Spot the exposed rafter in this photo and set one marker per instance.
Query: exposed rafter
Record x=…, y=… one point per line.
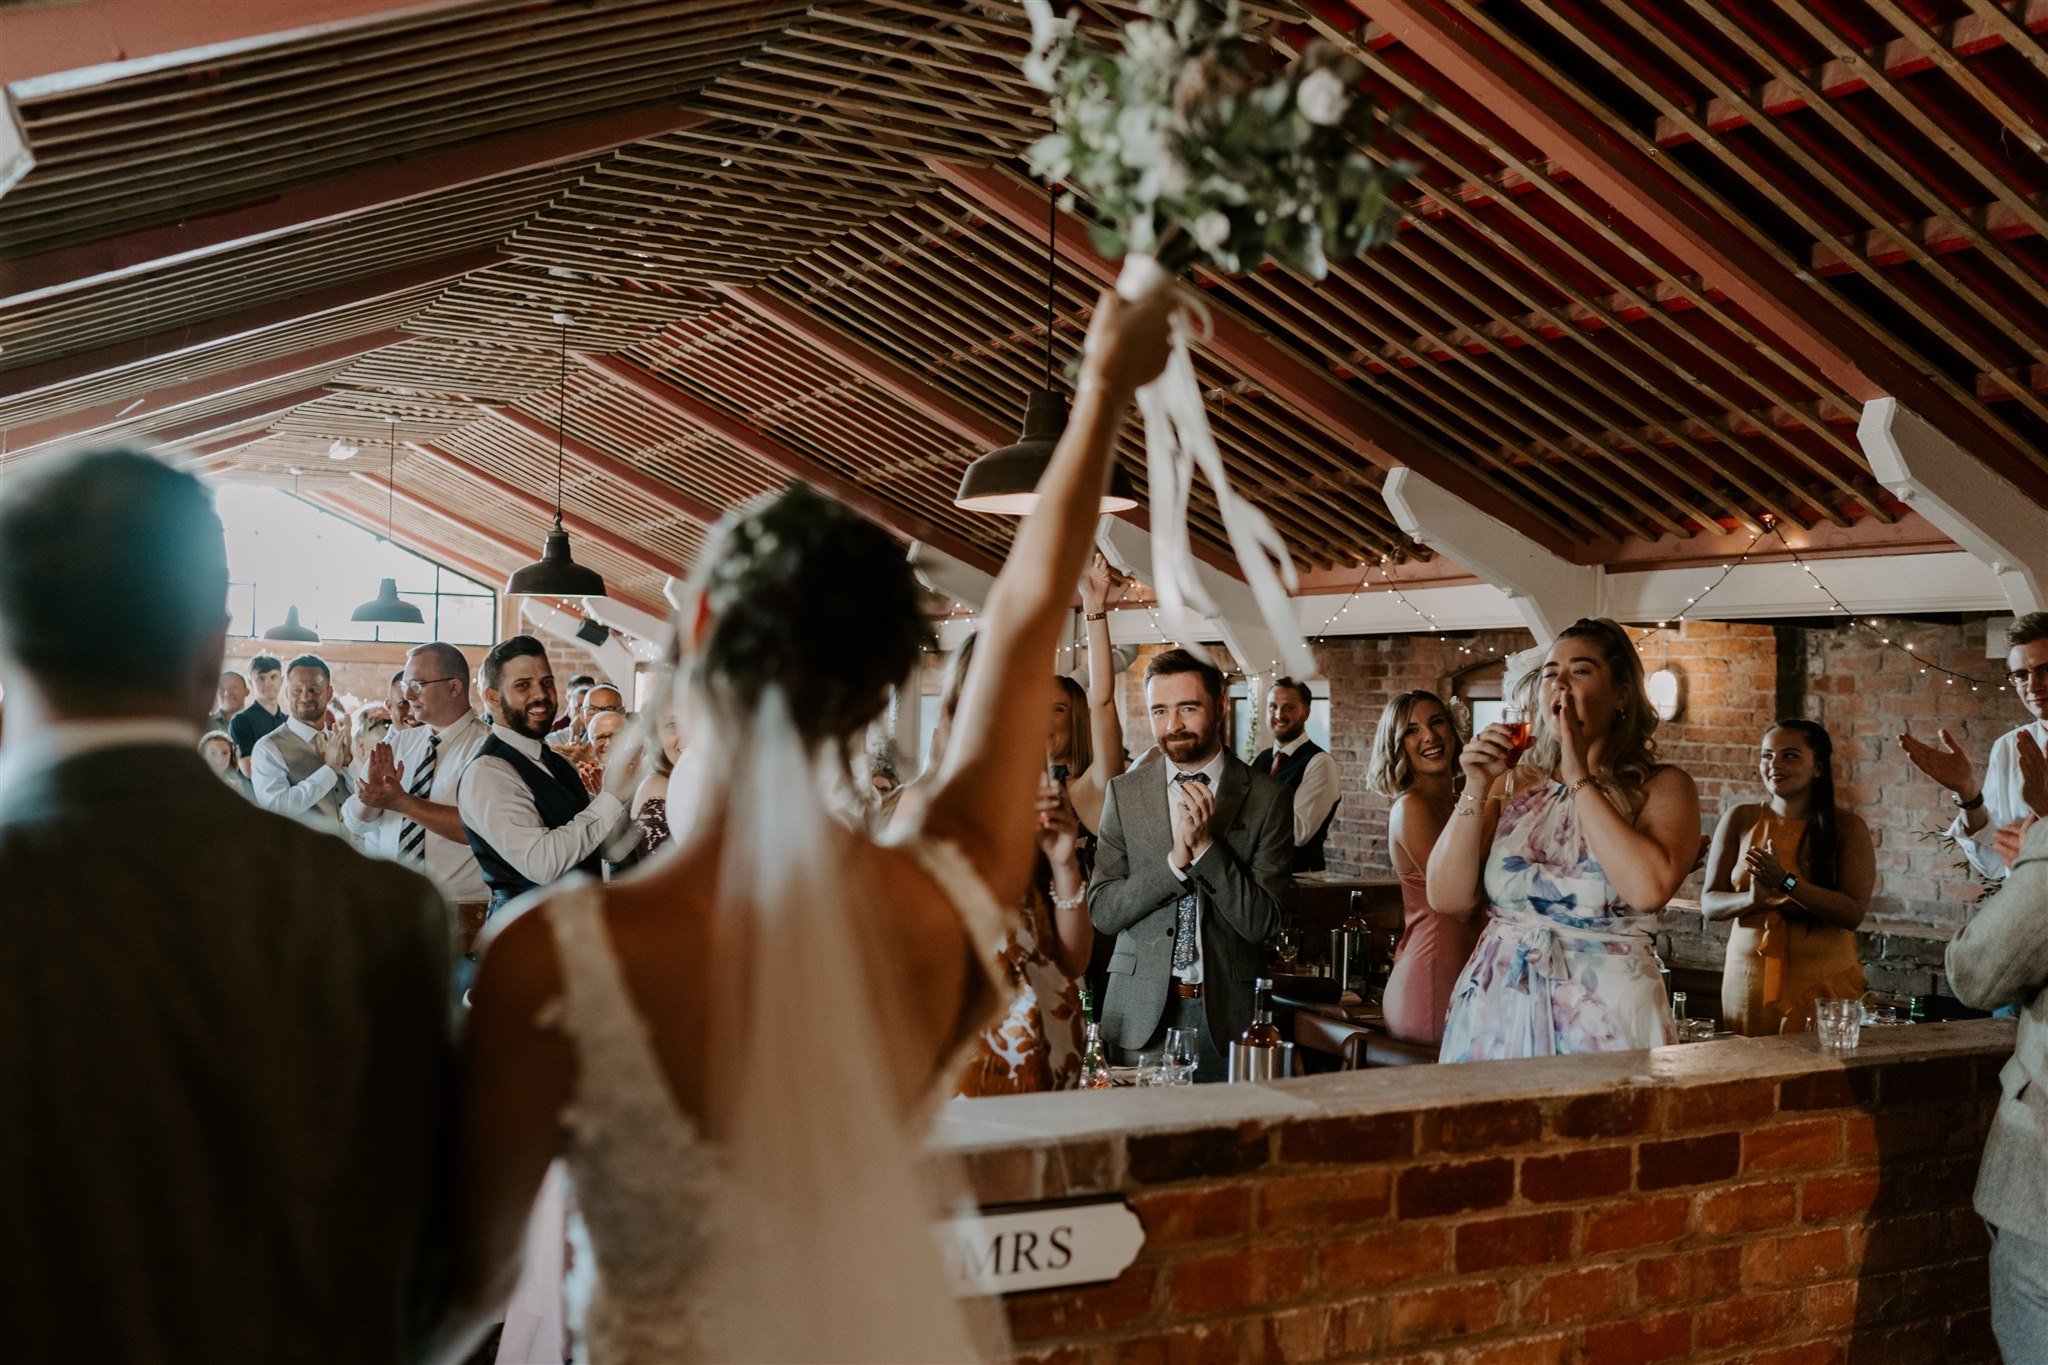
x=663, y=495
x=734, y=432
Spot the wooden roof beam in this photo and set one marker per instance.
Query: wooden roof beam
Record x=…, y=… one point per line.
x=1881, y=247
x=59, y=48
x=1968, y=36
x=541, y=507
x=1298, y=384
x=730, y=429
x=165, y=401
x=662, y=494
x=226, y=328
x=1804, y=319
x=29, y=278
x=364, y=519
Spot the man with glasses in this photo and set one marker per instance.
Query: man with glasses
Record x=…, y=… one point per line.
x=2015, y=784
x=404, y=808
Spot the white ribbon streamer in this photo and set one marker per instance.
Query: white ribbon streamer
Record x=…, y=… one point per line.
x=1177, y=443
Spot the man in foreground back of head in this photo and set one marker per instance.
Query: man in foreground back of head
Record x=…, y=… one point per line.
x=224, y=1036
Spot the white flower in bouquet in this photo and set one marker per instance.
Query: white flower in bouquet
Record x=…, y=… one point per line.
x=1212, y=230
x=1321, y=97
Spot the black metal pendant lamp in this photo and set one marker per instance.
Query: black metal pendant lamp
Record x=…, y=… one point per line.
x=291, y=631
x=387, y=607
x=556, y=573
x=1006, y=479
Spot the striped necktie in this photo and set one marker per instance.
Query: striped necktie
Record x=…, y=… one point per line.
x=412, y=838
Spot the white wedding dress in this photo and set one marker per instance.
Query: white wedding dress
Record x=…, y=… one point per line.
x=808, y=1235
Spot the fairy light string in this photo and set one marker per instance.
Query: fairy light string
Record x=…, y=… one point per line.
x=1876, y=630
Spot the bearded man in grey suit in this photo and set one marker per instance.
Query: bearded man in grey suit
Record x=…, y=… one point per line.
x=1192, y=858
x=225, y=1037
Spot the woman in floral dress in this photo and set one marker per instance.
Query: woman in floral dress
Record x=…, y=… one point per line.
x=1571, y=854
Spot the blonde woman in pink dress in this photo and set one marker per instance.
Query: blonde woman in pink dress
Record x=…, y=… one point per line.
x=1571, y=855
x=1415, y=761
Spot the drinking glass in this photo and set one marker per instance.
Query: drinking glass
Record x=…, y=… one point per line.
x=1516, y=718
x=1153, y=1070
x=1179, y=1061
x=1840, y=1023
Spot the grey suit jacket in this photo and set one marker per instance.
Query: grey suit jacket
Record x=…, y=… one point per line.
x=2001, y=958
x=226, y=1080
x=1240, y=880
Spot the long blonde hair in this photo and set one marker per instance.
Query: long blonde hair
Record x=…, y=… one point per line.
x=1390, y=773
x=1628, y=752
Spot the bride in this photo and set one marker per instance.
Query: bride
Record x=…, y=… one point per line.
x=733, y=1049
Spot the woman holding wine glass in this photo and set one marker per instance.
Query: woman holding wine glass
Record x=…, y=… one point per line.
x=1573, y=847
x=1794, y=872
x=1415, y=761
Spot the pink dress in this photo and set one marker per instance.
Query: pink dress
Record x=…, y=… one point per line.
x=1427, y=961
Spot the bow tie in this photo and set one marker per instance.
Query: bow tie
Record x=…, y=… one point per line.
x=1202, y=778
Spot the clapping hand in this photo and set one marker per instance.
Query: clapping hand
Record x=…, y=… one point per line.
x=592, y=775
x=2007, y=840
x=2033, y=773
x=334, y=748
x=1194, y=806
x=384, y=781
x=1766, y=873
x=1948, y=765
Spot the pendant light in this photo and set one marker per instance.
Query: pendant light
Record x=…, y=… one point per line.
x=387, y=607
x=556, y=573
x=292, y=631
x=1005, y=480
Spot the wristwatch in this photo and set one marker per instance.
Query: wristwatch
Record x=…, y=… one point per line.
x=1970, y=804
x=1098, y=616
x=1789, y=885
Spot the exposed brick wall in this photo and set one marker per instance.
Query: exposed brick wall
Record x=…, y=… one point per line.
x=1809, y=1212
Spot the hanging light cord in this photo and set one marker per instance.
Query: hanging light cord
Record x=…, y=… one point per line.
x=1051, y=264
x=561, y=424
x=391, y=486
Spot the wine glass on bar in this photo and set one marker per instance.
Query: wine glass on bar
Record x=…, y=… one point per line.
x=1516, y=718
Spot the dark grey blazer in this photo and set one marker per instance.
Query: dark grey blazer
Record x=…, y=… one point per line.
x=225, y=1075
x=2001, y=958
x=1240, y=879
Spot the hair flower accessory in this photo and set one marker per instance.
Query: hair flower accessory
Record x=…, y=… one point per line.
x=1192, y=149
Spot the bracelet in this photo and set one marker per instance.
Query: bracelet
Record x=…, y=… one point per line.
x=1970, y=804
x=1098, y=616
x=1580, y=786
x=1470, y=807
x=1074, y=902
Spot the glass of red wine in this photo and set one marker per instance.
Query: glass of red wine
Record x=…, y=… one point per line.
x=1516, y=718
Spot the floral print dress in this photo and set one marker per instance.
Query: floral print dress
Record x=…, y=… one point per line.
x=1564, y=964
x=1036, y=1045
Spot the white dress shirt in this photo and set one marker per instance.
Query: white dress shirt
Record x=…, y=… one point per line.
x=1214, y=770
x=496, y=802
x=1317, y=795
x=50, y=744
x=273, y=787
x=450, y=862
x=2001, y=801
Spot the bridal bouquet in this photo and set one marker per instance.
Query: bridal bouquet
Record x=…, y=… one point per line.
x=1193, y=151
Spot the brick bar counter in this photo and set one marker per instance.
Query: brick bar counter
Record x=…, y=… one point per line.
x=1746, y=1200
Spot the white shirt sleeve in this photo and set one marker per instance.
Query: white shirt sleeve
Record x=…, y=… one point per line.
x=497, y=804
x=274, y=789
x=1315, y=798
x=2001, y=788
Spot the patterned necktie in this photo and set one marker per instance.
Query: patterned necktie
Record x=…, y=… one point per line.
x=412, y=838
x=1187, y=915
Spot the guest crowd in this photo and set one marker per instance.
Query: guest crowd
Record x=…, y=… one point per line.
x=1533, y=857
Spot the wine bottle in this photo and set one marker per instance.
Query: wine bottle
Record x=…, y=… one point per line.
x=1261, y=1033
x=1094, y=1064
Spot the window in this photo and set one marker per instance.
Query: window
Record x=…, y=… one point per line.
x=1478, y=693
x=283, y=552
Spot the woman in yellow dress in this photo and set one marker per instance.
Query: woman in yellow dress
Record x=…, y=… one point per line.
x=1794, y=872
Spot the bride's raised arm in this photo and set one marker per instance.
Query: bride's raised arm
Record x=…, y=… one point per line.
x=984, y=798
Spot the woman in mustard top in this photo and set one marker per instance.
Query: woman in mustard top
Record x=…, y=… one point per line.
x=1794, y=873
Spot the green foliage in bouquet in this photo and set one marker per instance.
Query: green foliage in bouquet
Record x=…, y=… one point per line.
x=1192, y=152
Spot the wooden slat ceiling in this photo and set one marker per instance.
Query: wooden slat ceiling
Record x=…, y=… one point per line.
x=1591, y=367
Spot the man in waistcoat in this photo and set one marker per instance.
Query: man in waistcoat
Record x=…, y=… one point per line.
x=299, y=768
x=1304, y=767
x=529, y=818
